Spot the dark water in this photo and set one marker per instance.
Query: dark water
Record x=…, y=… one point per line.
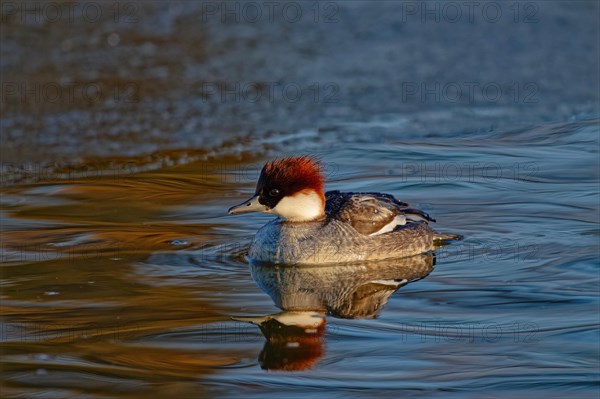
x=123, y=276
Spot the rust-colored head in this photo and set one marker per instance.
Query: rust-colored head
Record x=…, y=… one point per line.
x=289, y=187
x=287, y=177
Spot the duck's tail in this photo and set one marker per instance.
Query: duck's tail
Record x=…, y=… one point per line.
x=443, y=238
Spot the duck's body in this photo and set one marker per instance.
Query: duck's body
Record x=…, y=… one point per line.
x=345, y=234
x=314, y=227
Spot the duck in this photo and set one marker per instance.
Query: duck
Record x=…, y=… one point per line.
x=317, y=227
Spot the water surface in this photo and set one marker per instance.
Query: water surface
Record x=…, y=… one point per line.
x=127, y=285
x=123, y=276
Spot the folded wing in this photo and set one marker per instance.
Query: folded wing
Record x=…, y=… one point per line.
x=371, y=213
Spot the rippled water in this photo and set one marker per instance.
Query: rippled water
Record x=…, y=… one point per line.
x=127, y=284
x=123, y=276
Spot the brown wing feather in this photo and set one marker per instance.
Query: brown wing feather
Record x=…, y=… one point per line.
x=369, y=212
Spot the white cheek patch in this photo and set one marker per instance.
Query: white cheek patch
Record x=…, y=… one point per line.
x=301, y=207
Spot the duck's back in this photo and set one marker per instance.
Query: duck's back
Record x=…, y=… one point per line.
x=371, y=213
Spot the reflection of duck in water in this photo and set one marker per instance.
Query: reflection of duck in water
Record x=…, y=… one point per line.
x=307, y=293
x=294, y=339
x=346, y=291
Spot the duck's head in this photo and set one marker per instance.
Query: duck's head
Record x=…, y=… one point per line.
x=291, y=188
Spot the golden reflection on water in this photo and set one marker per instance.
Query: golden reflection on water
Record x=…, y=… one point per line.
x=73, y=299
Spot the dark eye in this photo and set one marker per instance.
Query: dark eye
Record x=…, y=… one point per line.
x=274, y=192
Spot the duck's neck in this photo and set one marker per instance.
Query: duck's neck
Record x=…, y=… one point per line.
x=304, y=206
